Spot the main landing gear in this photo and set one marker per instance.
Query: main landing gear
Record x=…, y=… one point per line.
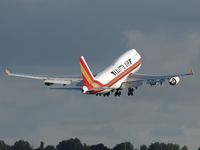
x=118, y=93
x=105, y=94
x=130, y=91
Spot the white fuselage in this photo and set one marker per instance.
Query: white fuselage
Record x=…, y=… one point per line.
x=119, y=70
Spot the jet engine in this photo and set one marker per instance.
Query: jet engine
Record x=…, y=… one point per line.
x=174, y=80
x=47, y=83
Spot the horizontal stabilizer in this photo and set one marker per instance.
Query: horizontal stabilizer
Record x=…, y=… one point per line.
x=8, y=72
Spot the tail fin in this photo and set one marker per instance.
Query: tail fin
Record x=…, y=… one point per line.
x=87, y=75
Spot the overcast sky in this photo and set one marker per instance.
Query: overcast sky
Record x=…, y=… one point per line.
x=48, y=37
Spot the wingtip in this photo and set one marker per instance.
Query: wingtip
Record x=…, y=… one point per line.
x=7, y=72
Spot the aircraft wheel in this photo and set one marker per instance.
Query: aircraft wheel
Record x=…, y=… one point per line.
x=106, y=94
x=118, y=93
x=130, y=91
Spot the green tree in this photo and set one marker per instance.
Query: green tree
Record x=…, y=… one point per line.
x=85, y=147
x=41, y=146
x=124, y=146
x=184, y=148
x=154, y=146
x=143, y=147
x=49, y=147
x=21, y=145
x=71, y=144
x=4, y=146
x=98, y=147
x=171, y=146
x=163, y=146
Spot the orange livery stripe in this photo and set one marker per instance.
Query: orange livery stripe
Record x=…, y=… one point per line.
x=120, y=76
x=90, y=82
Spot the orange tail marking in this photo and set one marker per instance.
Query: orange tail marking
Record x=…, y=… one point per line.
x=87, y=75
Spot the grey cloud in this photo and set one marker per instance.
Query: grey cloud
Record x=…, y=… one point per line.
x=50, y=30
x=166, y=130
x=173, y=51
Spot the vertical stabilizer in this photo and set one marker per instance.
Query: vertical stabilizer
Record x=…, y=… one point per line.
x=87, y=75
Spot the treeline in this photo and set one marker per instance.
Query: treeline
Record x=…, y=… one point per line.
x=75, y=144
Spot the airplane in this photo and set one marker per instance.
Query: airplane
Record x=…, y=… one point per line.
x=121, y=74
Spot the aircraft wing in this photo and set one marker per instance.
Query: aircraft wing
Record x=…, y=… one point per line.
x=48, y=80
x=136, y=80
